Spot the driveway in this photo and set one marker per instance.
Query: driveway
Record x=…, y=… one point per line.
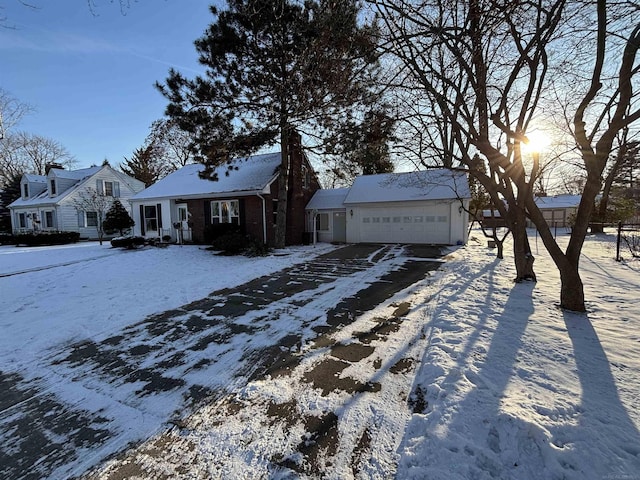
x=192, y=372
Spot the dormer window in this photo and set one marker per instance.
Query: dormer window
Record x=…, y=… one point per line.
x=53, y=186
x=25, y=189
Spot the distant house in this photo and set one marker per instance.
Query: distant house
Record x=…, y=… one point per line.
x=426, y=207
x=47, y=202
x=558, y=209
x=184, y=206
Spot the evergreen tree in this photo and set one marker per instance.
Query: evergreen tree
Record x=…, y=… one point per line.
x=145, y=165
x=273, y=67
x=117, y=218
x=363, y=147
x=9, y=192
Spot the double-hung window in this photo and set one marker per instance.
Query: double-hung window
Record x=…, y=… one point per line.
x=92, y=219
x=108, y=188
x=150, y=218
x=48, y=218
x=225, y=211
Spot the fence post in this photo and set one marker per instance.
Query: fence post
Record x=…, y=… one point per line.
x=618, y=259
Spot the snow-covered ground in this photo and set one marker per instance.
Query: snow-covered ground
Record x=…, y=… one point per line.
x=482, y=378
x=514, y=387
x=86, y=290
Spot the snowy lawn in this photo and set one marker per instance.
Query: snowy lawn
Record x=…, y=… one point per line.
x=510, y=386
x=85, y=291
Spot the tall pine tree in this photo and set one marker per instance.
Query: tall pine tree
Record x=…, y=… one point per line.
x=273, y=66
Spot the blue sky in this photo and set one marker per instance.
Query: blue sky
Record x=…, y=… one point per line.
x=90, y=76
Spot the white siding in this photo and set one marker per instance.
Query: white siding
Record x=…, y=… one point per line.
x=168, y=213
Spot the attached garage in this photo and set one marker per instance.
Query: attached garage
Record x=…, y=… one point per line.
x=402, y=223
x=427, y=207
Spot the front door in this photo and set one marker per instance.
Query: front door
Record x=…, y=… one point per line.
x=339, y=227
x=184, y=232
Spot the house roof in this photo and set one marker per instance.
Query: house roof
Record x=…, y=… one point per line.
x=33, y=178
x=558, y=201
x=328, y=199
x=253, y=175
x=81, y=176
x=74, y=174
x=437, y=184
x=41, y=199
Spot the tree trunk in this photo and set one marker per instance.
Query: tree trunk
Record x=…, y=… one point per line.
x=500, y=247
x=523, y=257
x=572, y=289
x=283, y=188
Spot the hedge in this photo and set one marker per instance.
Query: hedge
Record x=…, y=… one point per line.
x=127, y=242
x=46, y=238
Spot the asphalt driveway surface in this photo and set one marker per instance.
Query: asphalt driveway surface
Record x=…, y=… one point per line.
x=141, y=388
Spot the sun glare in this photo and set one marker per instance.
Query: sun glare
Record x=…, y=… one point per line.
x=538, y=142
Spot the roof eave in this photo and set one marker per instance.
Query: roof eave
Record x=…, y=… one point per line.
x=196, y=196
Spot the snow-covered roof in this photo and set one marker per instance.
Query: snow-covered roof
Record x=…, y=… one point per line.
x=81, y=176
x=253, y=175
x=328, y=199
x=558, y=201
x=41, y=199
x=437, y=184
x=74, y=174
x=33, y=178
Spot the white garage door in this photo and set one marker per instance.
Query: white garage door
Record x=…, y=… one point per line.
x=405, y=224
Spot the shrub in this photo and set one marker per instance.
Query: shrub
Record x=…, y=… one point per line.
x=7, y=239
x=33, y=239
x=257, y=249
x=213, y=232
x=231, y=243
x=127, y=242
x=236, y=243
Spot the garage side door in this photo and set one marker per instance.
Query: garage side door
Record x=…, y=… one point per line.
x=405, y=224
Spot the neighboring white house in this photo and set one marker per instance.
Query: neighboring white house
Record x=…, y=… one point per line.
x=47, y=202
x=426, y=207
x=558, y=209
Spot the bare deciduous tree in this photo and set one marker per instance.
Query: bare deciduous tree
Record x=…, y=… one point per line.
x=24, y=152
x=90, y=200
x=11, y=112
x=483, y=69
x=472, y=78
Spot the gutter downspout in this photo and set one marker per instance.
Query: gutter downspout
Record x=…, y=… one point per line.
x=264, y=217
x=315, y=214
